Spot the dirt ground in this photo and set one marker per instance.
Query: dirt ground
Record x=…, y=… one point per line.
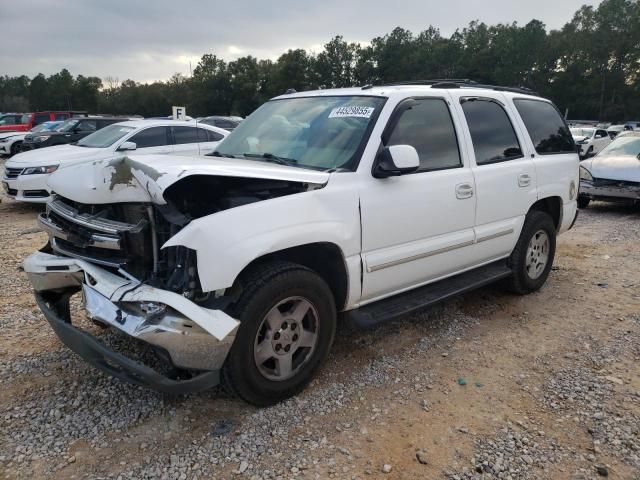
x=489, y=385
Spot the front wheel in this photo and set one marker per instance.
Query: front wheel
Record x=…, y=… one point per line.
x=532, y=258
x=583, y=201
x=15, y=148
x=287, y=320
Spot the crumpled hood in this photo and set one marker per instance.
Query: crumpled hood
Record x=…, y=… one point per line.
x=144, y=178
x=621, y=167
x=60, y=154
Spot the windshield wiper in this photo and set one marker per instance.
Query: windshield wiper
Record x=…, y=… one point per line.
x=218, y=154
x=270, y=157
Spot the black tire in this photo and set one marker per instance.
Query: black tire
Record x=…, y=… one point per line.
x=521, y=281
x=583, y=201
x=15, y=148
x=264, y=288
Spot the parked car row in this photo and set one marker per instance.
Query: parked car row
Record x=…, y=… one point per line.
x=26, y=174
x=23, y=122
x=11, y=142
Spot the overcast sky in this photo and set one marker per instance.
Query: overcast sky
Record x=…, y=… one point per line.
x=152, y=39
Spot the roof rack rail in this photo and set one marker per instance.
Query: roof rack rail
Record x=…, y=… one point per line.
x=463, y=82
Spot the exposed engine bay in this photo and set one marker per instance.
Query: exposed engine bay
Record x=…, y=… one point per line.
x=126, y=238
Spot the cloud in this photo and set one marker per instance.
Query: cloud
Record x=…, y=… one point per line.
x=152, y=40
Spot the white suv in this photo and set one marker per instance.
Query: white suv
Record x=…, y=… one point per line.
x=365, y=202
x=26, y=174
x=590, y=141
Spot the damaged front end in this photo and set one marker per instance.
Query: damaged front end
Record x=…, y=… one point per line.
x=112, y=255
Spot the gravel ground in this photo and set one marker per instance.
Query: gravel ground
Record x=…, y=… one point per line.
x=488, y=385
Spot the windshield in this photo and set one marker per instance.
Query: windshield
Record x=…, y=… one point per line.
x=321, y=133
x=43, y=127
x=67, y=125
x=105, y=137
x=622, y=146
x=582, y=132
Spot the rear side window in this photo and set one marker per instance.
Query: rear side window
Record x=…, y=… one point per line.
x=104, y=123
x=41, y=118
x=546, y=127
x=151, y=137
x=183, y=135
x=494, y=139
x=87, y=125
x=428, y=127
x=208, y=135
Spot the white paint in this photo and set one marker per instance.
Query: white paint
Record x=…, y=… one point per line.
x=72, y=156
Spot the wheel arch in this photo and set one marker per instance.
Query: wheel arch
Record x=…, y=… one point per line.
x=324, y=258
x=552, y=206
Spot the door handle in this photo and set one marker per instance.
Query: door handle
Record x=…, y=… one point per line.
x=464, y=190
x=524, y=180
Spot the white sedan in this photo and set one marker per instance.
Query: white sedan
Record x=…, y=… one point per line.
x=25, y=176
x=10, y=141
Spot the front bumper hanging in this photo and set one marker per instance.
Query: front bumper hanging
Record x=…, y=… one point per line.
x=190, y=337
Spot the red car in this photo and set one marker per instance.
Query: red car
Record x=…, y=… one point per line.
x=26, y=121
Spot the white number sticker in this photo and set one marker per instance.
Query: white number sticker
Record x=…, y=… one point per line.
x=360, y=112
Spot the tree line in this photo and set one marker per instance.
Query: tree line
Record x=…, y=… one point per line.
x=590, y=68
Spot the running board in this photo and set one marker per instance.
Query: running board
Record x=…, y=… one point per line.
x=405, y=303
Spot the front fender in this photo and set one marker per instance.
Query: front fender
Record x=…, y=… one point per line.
x=226, y=242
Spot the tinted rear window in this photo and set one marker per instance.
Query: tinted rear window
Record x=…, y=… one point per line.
x=546, y=127
x=493, y=136
x=182, y=135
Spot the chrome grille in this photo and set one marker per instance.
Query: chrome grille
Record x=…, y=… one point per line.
x=12, y=172
x=86, y=236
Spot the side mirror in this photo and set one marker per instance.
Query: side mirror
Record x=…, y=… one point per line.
x=396, y=160
x=127, y=146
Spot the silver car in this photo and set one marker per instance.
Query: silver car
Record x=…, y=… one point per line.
x=614, y=173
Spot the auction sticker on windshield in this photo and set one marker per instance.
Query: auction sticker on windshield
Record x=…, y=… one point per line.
x=360, y=112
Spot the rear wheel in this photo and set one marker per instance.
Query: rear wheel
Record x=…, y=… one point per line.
x=287, y=323
x=532, y=258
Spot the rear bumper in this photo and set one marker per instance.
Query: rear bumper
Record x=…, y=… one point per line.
x=191, y=339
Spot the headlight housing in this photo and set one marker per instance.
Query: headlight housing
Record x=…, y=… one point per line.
x=41, y=138
x=39, y=170
x=585, y=175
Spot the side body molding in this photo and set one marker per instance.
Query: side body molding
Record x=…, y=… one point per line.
x=226, y=242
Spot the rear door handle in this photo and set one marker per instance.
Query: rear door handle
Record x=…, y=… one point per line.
x=464, y=190
x=524, y=180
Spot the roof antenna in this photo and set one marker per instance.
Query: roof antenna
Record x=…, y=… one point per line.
x=290, y=91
